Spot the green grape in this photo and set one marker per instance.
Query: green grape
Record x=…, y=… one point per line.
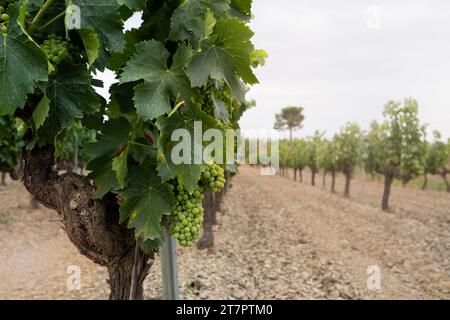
x=213, y=177
x=187, y=216
x=4, y=16
x=57, y=49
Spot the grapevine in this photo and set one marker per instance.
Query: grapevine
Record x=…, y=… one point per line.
x=49, y=81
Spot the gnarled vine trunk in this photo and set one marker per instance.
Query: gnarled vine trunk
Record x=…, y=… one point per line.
x=295, y=174
x=92, y=225
x=313, y=178
x=324, y=179
x=3, y=179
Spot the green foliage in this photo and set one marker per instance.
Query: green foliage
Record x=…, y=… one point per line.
x=10, y=144
x=348, y=144
x=329, y=155
x=285, y=154
x=313, y=148
x=299, y=154
x=437, y=156
x=396, y=145
x=71, y=144
x=189, y=61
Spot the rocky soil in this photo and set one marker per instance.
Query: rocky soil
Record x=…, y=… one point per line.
x=275, y=239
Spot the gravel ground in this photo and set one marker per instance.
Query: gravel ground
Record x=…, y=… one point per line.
x=275, y=239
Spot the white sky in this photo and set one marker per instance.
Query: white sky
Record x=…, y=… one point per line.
x=324, y=57
x=343, y=60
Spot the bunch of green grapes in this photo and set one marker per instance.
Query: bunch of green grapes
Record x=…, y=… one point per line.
x=4, y=16
x=187, y=216
x=57, y=49
x=213, y=177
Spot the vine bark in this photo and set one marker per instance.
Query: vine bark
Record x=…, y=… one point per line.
x=91, y=225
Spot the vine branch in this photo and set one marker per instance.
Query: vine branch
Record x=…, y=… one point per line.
x=59, y=16
x=40, y=15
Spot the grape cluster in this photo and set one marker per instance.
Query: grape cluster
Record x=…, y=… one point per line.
x=57, y=49
x=187, y=216
x=213, y=177
x=4, y=16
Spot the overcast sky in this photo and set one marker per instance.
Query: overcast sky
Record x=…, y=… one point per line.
x=343, y=60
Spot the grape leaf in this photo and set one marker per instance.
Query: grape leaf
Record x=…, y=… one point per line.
x=190, y=21
x=187, y=174
x=71, y=97
x=118, y=59
x=91, y=44
x=41, y=112
x=103, y=17
x=224, y=56
x=147, y=200
x=120, y=167
x=152, y=98
x=220, y=110
x=22, y=64
x=241, y=9
x=114, y=136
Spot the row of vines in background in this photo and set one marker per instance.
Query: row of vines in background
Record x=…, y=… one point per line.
x=396, y=148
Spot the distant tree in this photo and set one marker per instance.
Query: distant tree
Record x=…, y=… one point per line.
x=395, y=147
x=349, y=146
x=313, y=151
x=437, y=158
x=290, y=118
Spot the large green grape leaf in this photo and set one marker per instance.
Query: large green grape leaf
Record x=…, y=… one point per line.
x=188, y=174
x=91, y=44
x=108, y=172
x=102, y=173
x=41, y=112
x=241, y=9
x=103, y=17
x=114, y=135
x=191, y=20
x=121, y=102
x=118, y=59
x=161, y=83
x=120, y=167
x=147, y=200
x=220, y=110
x=71, y=96
x=22, y=64
x=225, y=55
